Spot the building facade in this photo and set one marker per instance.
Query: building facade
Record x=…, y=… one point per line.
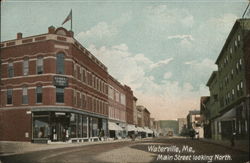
x=117, y=108
x=230, y=112
x=53, y=89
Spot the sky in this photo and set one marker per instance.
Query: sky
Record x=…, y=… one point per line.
x=165, y=50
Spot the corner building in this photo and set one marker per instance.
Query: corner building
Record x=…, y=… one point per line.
x=52, y=89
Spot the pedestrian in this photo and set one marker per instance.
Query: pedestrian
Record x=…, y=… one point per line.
x=233, y=139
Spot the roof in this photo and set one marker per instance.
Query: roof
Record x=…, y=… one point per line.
x=244, y=24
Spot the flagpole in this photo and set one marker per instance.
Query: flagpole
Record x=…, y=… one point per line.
x=246, y=10
x=71, y=20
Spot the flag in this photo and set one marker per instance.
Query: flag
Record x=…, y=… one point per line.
x=69, y=17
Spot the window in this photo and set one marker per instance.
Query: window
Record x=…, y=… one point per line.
x=26, y=67
x=10, y=70
x=75, y=98
x=233, y=94
x=25, y=95
x=41, y=126
x=60, y=63
x=84, y=75
x=59, y=95
x=9, y=96
x=238, y=37
x=235, y=43
x=75, y=70
x=39, y=65
x=39, y=94
x=240, y=64
x=117, y=96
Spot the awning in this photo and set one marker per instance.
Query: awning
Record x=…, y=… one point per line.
x=230, y=115
x=131, y=128
x=113, y=126
x=149, y=131
x=140, y=129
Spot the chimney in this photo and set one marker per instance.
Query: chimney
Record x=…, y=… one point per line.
x=19, y=35
x=71, y=33
x=51, y=29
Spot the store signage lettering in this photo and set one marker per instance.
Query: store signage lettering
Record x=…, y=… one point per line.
x=60, y=81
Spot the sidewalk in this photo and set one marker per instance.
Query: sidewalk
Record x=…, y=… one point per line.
x=15, y=147
x=240, y=145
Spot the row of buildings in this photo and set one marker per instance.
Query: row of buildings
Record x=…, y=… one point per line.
x=226, y=110
x=54, y=89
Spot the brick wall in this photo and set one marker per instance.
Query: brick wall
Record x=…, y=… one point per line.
x=14, y=125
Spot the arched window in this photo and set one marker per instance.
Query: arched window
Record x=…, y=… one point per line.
x=60, y=63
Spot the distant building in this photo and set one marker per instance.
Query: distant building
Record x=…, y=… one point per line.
x=194, y=121
x=182, y=124
x=169, y=126
x=205, y=114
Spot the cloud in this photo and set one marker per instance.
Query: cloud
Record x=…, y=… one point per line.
x=99, y=31
x=104, y=30
x=162, y=16
x=202, y=64
x=161, y=63
x=165, y=99
x=167, y=75
x=182, y=37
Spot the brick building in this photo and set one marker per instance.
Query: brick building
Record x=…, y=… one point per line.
x=117, y=108
x=53, y=89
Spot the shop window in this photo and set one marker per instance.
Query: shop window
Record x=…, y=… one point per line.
x=25, y=95
x=39, y=65
x=39, y=94
x=26, y=67
x=41, y=127
x=10, y=70
x=84, y=126
x=73, y=125
x=9, y=96
x=60, y=63
x=59, y=95
x=94, y=127
x=79, y=126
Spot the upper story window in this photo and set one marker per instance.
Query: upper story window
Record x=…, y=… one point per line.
x=39, y=94
x=10, y=70
x=59, y=95
x=25, y=95
x=111, y=93
x=75, y=70
x=25, y=67
x=9, y=96
x=60, y=63
x=39, y=65
x=117, y=96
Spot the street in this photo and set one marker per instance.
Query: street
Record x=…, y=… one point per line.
x=151, y=150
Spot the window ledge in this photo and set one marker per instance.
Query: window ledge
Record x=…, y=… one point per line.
x=9, y=105
x=60, y=103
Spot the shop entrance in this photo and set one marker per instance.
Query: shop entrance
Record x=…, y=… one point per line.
x=60, y=124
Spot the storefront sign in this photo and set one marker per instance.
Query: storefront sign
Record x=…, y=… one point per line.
x=60, y=81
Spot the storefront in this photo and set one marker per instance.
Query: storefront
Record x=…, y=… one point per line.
x=66, y=126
